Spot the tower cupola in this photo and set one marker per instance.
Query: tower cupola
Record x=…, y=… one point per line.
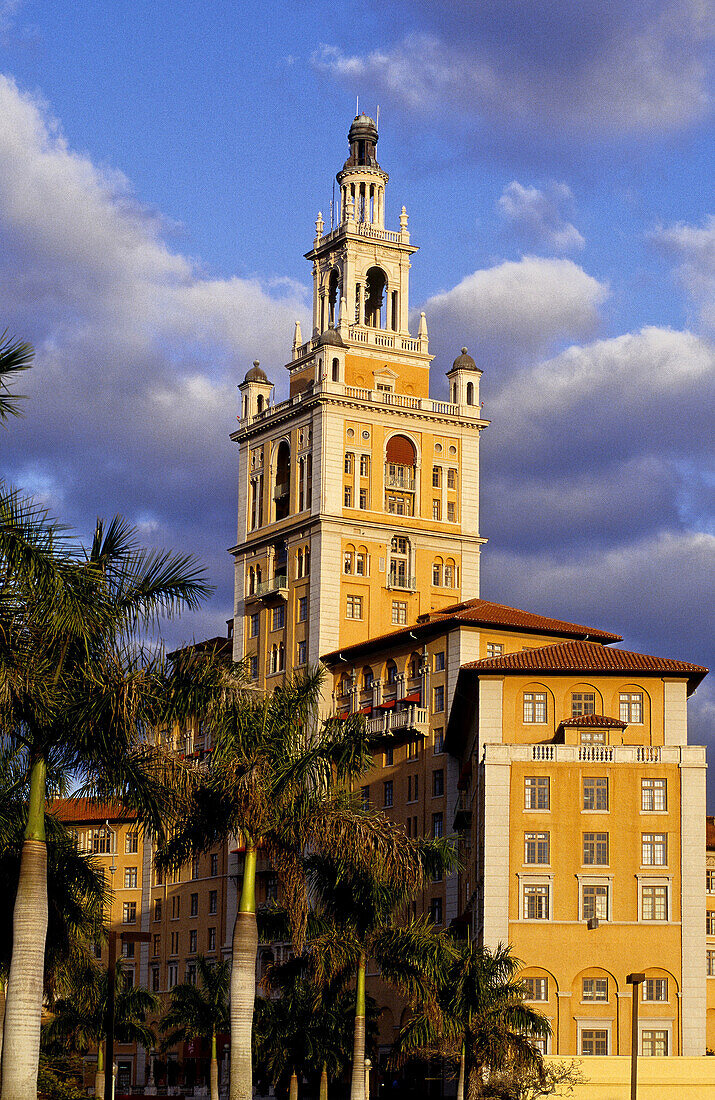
x=362, y=180
x=255, y=391
x=464, y=380
x=363, y=137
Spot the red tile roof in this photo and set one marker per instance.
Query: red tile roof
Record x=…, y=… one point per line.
x=587, y=657
x=477, y=613
x=73, y=810
x=594, y=721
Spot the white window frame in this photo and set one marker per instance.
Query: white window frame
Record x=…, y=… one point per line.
x=652, y=789
x=654, y=1000
x=538, y=809
x=530, y=698
x=655, y=880
x=536, y=880
x=592, y=1024
x=595, y=880
x=594, y=1000
x=656, y=1023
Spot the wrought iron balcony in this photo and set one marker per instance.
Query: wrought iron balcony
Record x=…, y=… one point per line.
x=402, y=580
x=276, y=586
x=400, y=481
x=413, y=720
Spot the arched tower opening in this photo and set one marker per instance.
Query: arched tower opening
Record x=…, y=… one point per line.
x=375, y=286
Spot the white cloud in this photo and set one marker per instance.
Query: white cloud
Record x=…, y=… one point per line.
x=693, y=248
x=537, y=215
x=516, y=309
x=634, y=74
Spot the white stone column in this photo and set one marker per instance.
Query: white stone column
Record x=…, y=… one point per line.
x=692, y=888
x=497, y=773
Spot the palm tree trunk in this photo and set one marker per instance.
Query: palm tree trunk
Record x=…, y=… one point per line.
x=324, y=1083
x=460, y=1081
x=357, y=1083
x=213, y=1071
x=99, y=1075
x=243, y=983
x=293, y=1094
x=23, y=1007
x=2, y=1015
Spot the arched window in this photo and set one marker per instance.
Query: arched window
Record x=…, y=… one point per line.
x=349, y=559
x=399, y=571
x=449, y=574
x=349, y=462
x=251, y=581
x=454, y=393
x=367, y=678
x=375, y=285
x=299, y=563
x=437, y=573
x=282, y=482
x=274, y=659
x=391, y=672
x=362, y=562
x=259, y=402
x=344, y=688
x=333, y=295
x=336, y=370
x=470, y=393
x=306, y=562
x=415, y=666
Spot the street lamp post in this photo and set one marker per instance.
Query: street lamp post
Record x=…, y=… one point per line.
x=636, y=980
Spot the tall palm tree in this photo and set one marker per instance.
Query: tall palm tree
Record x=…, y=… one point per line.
x=15, y=355
x=75, y=696
x=366, y=919
x=200, y=1011
x=480, y=1021
x=279, y=778
x=79, y=1013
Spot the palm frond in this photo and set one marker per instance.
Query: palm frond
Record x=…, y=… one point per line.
x=15, y=356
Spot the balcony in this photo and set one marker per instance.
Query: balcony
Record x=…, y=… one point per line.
x=277, y=586
x=400, y=481
x=462, y=815
x=281, y=490
x=549, y=753
x=413, y=720
x=402, y=581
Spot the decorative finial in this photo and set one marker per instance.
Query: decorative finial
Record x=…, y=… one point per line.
x=464, y=351
x=256, y=362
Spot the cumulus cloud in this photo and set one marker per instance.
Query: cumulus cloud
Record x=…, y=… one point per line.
x=693, y=249
x=601, y=69
x=138, y=349
x=516, y=310
x=536, y=215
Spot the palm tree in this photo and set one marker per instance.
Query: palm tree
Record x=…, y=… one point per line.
x=15, y=355
x=75, y=697
x=79, y=1013
x=366, y=920
x=279, y=778
x=200, y=1011
x=480, y=1020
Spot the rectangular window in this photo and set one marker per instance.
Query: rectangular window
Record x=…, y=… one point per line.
x=655, y=989
x=710, y=881
x=302, y=609
x=155, y=979
x=595, y=793
x=354, y=607
x=451, y=479
x=253, y=666
x=195, y=867
x=348, y=498
x=710, y=924
x=438, y=741
x=129, y=912
x=157, y=909
x=536, y=792
x=710, y=960
x=130, y=878
x=594, y=902
x=534, y=706
x=302, y=653
x=255, y=624
x=594, y=989
x=436, y=477
x=439, y=661
x=194, y=905
x=653, y=795
x=438, y=706
x=536, y=848
x=435, y=910
x=191, y=973
x=193, y=940
x=399, y=612
x=594, y=1041
x=654, y=902
x=156, y=944
x=437, y=825
x=211, y=939
x=172, y=975
x=654, y=849
x=365, y=798
x=387, y=793
x=364, y=466
x=436, y=509
x=175, y=907
x=128, y=950
x=413, y=784
x=278, y=617
x=437, y=783
x=583, y=702
x=631, y=707
x=494, y=649
x=412, y=749
x=131, y=843
x=213, y=901
x=451, y=518
x=593, y=737
x=389, y=757
x=654, y=1042
x=536, y=989
x=214, y=864
x=536, y=902
x=348, y=562
x=348, y=463
x=174, y=943
x=363, y=499
x=595, y=849
x=361, y=564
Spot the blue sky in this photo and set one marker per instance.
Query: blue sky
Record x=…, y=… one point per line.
x=161, y=166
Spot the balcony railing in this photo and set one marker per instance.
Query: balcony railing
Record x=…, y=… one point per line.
x=403, y=581
x=281, y=490
x=400, y=481
x=414, y=719
x=275, y=586
x=548, y=752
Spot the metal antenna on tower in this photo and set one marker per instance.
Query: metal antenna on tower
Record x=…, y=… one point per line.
x=332, y=206
x=357, y=104
x=377, y=120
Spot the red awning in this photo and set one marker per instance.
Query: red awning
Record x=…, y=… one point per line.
x=386, y=706
x=415, y=697
x=366, y=710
